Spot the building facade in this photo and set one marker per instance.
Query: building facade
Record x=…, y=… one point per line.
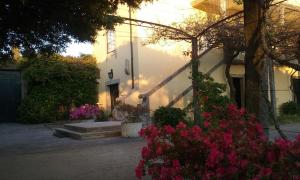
x=131, y=68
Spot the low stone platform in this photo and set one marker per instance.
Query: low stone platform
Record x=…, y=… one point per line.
x=89, y=130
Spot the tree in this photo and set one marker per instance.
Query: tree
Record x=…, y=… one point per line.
x=281, y=38
x=255, y=65
x=46, y=26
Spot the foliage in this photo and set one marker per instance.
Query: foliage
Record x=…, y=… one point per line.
x=105, y=115
x=168, y=116
x=289, y=108
x=36, y=26
x=231, y=147
x=211, y=93
x=289, y=118
x=86, y=111
x=55, y=84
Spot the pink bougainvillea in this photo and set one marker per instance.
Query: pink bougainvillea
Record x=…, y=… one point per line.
x=86, y=111
x=231, y=145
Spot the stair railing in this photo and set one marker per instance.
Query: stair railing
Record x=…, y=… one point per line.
x=145, y=97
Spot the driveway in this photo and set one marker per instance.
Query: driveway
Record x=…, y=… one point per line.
x=31, y=152
x=290, y=130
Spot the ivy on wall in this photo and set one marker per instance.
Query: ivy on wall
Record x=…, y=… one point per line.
x=55, y=84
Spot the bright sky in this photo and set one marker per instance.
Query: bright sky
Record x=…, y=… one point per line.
x=175, y=11
x=76, y=49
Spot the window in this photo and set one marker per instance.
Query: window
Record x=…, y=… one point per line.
x=111, y=41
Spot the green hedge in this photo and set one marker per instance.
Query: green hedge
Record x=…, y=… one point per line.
x=168, y=116
x=55, y=84
x=289, y=107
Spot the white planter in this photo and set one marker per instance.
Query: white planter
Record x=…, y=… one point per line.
x=131, y=129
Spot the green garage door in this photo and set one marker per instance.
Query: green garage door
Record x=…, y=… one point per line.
x=10, y=95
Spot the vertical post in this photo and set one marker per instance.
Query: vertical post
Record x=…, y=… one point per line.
x=131, y=50
x=146, y=111
x=195, y=83
x=272, y=87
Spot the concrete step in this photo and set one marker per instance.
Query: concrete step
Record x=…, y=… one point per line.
x=62, y=132
x=86, y=127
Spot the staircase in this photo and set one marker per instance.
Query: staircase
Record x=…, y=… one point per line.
x=89, y=130
x=145, y=97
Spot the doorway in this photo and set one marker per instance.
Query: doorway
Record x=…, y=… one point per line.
x=238, y=83
x=114, y=94
x=296, y=90
x=10, y=95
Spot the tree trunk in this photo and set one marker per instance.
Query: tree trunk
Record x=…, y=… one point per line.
x=195, y=83
x=256, y=73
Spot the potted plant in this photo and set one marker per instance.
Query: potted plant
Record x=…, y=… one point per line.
x=132, y=122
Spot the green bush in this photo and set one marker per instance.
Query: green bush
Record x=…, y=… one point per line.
x=55, y=84
x=289, y=118
x=168, y=116
x=211, y=93
x=289, y=108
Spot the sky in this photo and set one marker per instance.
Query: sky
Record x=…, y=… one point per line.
x=76, y=49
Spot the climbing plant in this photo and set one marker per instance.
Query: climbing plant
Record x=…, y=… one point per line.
x=55, y=84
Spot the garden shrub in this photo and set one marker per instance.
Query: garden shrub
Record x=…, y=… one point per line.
x=86, y=111
x=231, y=146
x=289, y=108
x=168, y=116
x=55, y=84
x=211, y=93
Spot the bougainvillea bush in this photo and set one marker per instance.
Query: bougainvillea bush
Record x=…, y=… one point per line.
x=86, y=111
x=231, y=145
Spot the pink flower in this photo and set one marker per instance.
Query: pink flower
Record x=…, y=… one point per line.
x=242, y=111
x=176, y=165
x=266, y=171
x=231, y=170
x=259, y=128
x=196, y=132
x=206, y=124
x=227, y=138
x=164, y=173
x=221, y=172
x=223, y=124
x=271, y=156
x=145, y=152
x=232, y=158
x=232, y=108
x=184, y=133
x=214, y=157
x=181, y=125
x=169, y=129
x=85, y=112
x=159, y=150
x=283, y=144
x=142, y=132
x=207, y=115
x=139, y=170
x=298, y=138
x=177, y=178
x=244, y=163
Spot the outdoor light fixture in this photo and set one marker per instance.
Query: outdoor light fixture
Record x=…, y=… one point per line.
x=110, y=74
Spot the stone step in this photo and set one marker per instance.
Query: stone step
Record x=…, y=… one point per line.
x=62, y=132
x=86, y=127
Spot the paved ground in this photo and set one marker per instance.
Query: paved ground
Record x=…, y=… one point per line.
x=31, y=152
x=290, y=130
